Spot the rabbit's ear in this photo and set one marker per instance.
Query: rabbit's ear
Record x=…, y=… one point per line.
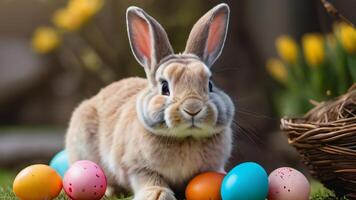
x=148, y=40
x=207, y=37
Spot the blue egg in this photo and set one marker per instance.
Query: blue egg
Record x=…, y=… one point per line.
x=60, y=162
x=247, y=181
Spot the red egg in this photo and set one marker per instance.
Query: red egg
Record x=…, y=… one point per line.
x=205, y=186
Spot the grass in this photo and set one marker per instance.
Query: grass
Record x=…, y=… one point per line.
x=318, y=191
x=6, y=178
x=7, y=194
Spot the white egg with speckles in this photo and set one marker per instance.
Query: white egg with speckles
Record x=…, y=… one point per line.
x=288, y=183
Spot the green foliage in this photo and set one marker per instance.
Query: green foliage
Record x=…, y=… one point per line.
x=318, y=68
x=6, y=177
x=319, y=192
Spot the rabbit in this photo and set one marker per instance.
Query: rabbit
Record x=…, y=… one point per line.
x=152, y=135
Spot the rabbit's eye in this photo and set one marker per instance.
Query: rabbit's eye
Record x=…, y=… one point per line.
x=165, y=88
x=210, y=86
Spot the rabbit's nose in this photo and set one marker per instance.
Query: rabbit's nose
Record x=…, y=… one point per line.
x=192, y=106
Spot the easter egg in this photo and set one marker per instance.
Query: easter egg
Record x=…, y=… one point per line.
x=60, y=162
x=247, y=181
x=288, y=183
x=37, y=182
x=84, y=180
x=205, y=186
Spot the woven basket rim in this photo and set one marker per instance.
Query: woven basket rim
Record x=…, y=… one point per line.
x=337, y=105
x=301, y=120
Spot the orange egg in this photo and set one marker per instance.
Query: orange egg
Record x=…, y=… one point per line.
x=37, y=182
x=205, y=186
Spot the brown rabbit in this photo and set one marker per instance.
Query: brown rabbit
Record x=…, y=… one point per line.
x=151, y=136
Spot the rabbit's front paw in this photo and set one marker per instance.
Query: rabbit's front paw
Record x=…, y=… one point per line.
x=155, y=193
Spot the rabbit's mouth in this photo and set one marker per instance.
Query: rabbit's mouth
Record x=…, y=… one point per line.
x=187, y=129
x=194, y=127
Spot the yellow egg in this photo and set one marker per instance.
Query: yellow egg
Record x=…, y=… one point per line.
x=37, y=182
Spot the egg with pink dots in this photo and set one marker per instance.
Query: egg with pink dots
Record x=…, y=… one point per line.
x=85, y=180
x=288, y=183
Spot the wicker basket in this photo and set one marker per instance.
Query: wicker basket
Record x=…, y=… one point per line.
x=326, y=140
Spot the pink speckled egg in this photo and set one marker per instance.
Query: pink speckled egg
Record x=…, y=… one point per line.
x=84, y=180
x=288, y=183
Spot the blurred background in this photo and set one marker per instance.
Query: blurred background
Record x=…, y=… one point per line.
x=54, y=54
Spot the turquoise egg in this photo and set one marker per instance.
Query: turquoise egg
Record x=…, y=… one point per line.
x=60, y=162
x=247, y=181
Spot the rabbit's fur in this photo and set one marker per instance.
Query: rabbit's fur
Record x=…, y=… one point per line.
x=151, y=136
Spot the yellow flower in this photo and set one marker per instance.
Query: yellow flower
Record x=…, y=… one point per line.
x=77, y=13
x=87, y=8
x=313, y=47
x=45, y=40
x=65, y=20
x=348, y=38
x=277, y=70
x=287, y=49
